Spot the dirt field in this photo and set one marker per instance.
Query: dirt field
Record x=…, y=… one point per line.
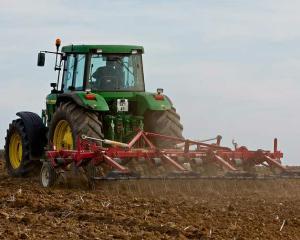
x=198, y=209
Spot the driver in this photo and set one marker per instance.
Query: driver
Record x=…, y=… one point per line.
x=108, y=77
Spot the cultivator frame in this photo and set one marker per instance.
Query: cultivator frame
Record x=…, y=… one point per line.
x=236, y=163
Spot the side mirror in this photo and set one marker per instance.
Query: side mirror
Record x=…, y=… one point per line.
x=41, y=59
x=53, y=85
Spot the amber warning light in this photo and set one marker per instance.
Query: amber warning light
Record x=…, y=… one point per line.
x=57, y=43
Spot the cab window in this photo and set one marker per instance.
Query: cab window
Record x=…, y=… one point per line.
x=74, y=72
x=116, y=72
x=79, y=72
x=68, y=73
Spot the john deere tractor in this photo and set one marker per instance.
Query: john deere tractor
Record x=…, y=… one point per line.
x=99, y=92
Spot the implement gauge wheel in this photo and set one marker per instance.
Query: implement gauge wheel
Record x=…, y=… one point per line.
x=69, y=122
x=164, y=122
x=48, y=175
x=17, y=150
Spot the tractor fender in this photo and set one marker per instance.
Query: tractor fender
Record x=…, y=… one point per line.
x=147, y=101
x=97, y=104
x=36, y=132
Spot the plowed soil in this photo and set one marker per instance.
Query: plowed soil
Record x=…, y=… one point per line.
x=193, y=209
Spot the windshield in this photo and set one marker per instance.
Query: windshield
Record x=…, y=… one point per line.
x=116, y=72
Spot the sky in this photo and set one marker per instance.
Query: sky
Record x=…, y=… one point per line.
x=230, y=67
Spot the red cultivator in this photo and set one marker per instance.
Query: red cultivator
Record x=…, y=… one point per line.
x=141, y=158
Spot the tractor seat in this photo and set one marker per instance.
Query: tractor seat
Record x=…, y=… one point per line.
x=107, y=78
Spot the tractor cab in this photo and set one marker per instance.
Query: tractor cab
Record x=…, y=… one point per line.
x=100, y=68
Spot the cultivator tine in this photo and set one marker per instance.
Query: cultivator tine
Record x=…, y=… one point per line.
x=174, y=163
x=273, y=163
x=224, y=163
x=115, y=165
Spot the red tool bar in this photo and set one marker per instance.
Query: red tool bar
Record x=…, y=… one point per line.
x=78, y=156
x=273, y=162
x=133, y=153
x=190, y=142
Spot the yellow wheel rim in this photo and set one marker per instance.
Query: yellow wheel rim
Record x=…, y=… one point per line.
x=63, y=138
x=15, y=150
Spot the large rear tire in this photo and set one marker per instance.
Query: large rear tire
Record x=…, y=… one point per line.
x=17, y=150
x=69, y=122
x=165, y=123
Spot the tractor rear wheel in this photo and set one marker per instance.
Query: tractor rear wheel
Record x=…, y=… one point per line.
x=70, y=122
x=17, y=150
x=165, y=123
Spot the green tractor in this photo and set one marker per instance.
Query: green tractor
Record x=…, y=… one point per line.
x=99, y=92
